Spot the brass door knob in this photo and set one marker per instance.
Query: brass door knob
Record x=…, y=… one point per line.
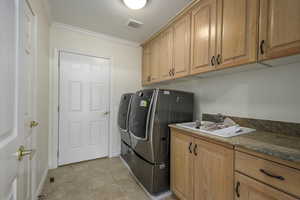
x=33, y=124
x=106, y=113
x=23, y=152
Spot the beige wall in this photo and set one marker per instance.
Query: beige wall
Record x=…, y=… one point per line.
x=42, y=95
x=126, y=66
x=268, y=93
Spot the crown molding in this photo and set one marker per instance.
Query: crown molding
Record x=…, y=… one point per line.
x=94, y=34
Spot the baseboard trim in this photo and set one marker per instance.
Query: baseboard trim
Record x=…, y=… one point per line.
x=41, y=185
x=114, y=155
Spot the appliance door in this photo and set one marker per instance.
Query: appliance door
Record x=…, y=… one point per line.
x=123, y=117
x=154, y=177
x=140, y=113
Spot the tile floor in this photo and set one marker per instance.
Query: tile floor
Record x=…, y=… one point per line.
x=101, y=179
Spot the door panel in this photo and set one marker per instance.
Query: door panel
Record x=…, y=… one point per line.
x=182, y=41
x=238, y=32
x=203, y=36
x=84, y=103
x=166, y=49
x=146, y=65
x=249, y=189
x=155, y=59
x=182, y=166
x=213, y=174
x=279, y=28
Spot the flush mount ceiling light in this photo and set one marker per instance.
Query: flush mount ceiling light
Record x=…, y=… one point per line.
x=135, y=4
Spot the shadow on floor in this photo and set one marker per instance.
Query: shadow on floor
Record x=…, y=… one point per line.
x=101, y=179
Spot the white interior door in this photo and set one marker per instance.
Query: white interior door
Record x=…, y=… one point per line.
x=84, y=108
x=12, y=80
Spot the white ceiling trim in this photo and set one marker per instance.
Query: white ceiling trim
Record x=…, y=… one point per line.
x=94, y=34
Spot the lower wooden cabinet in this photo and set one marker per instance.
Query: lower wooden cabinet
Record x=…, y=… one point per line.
x=249, y=189
x=213, y=174
x=200, y=170
x=182, y=166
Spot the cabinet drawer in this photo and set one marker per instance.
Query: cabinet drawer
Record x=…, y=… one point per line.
x=276, y=175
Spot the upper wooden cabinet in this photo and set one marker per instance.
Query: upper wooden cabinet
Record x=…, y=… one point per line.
x=203, y=34
x=155, y=60
x=181, y=44
x=237, y=32
x=146, y=76
x=279, y=33
x=166, y=53
x=215, y=34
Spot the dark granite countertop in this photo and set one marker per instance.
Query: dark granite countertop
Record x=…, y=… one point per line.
x=278, y=145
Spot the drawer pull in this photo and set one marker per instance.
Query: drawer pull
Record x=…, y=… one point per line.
x=261, y=46
x=195, y=150
x=271, y=175
x=237, y=189
x=190, y=147
x=212, y=61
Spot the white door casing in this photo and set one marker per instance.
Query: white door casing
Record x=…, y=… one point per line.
x=11, y=100
x=84, y=108
x=27, y=185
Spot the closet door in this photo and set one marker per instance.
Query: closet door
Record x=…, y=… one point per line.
x=279, y=28
x=182, y=42
x=237, y=32
x=203, y=45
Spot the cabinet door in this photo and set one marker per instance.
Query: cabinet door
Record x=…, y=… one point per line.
x=146, y=65
x=155, y=59
x=203, y=42
x=237, y=32
x=249, y=189
x=166, y=49
x=279, y=28
x=213, y=171
x=181, y=166
x=182, y=42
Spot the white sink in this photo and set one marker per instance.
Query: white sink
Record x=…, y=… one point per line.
x=217, y=129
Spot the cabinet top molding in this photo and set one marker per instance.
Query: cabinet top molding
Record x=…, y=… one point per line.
x=182, y=12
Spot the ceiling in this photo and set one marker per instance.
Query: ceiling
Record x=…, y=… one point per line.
x=111, y=16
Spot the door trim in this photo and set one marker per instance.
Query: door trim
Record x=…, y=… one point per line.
x=54, y=104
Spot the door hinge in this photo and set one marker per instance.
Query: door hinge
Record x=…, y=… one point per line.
x=58, y=109
x=57, y=154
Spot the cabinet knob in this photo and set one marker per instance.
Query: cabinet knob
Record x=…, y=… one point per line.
x=213, y=60
x=219, y=59
x=237, y=189
x=190, y=147
x=261, y=46
x=195, y=150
